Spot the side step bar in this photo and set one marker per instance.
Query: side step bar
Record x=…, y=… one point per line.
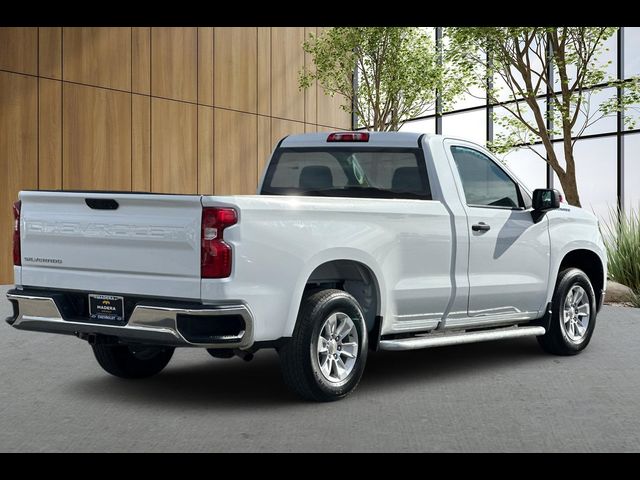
x=442, y=340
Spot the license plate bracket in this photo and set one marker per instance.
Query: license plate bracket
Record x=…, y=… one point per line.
x=106, y=307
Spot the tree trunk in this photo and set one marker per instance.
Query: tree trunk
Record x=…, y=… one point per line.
x=394, y=121
x=568, y=182
x=568, y=175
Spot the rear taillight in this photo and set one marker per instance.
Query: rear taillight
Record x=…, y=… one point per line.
x=348, y=137
x=216, y=254
x=17, y=258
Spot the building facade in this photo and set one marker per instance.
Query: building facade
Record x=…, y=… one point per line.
x=607, y=154
x=175, y=110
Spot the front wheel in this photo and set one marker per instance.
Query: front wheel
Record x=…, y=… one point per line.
x=325, y=357
x=132, y=361
x=573, y=314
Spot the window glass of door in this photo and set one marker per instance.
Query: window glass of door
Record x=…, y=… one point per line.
x=483, y=181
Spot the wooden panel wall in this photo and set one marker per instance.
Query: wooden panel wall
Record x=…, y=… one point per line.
x=177, y=110
x=140, y=143
x=287, y=101
x=19, y=50
x=141, y=60
x=174, y=145
x=18, y=154
x=174, y=63
x=50, y=52
x=50, y=134
x=96, y=138
x=235, y=152
x=235, y=68
x=97, y=56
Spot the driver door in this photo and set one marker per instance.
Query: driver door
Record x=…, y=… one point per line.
x=508, y=253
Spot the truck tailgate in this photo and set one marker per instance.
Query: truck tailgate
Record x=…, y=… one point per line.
x=148, y=245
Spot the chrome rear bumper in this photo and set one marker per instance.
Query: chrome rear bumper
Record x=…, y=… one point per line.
x=147, y=323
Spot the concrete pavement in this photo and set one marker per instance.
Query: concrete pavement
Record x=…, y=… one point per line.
x=497, y=396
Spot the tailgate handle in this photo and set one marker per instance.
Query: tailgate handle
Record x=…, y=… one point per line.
x=101, y=203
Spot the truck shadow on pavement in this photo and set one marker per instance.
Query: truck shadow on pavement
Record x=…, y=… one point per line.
x=235, y=384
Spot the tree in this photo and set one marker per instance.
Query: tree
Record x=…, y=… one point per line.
x=531, y=61
x=397, y=68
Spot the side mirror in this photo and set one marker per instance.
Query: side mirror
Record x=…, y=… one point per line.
x=544, y=199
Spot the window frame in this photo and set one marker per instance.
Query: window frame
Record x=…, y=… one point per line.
x=417, y=151
x=521, y=203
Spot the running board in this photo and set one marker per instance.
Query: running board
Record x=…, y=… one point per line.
x=442, y=340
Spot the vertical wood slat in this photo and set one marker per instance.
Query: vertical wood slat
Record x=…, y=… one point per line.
x=205, y=150
x=141, y=60
x=174, y=63
x=99, y=56
x=236, y=68
x=173, y=146
x=205, y=65
x=140, y=143
x=18, y=154
x=264, y=70
x=265, y=143
x=19, y=49
x=50, y=52
x=235, y=153
x=96, y=138
x=287, y=59
x=311, y=93
x=49, y=134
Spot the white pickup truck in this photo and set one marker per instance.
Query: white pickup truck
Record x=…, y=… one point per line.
x=357, y=241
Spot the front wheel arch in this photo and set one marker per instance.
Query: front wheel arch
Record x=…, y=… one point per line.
x=556, y=339
x=591, y=264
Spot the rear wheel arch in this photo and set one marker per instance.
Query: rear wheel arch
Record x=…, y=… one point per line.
x=355, y=278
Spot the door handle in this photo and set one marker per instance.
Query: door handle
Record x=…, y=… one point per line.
x=480, y=227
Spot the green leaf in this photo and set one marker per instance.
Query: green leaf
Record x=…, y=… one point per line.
x=398, y=71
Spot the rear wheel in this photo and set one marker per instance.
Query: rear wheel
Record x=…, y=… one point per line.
x=132, y=361
x=325, y=357
x=573, y=314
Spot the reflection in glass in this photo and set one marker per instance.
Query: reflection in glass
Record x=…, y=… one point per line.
x=470, y=126
x=530, y=169
x=425, y=125
x=632, y=171
x=596, y=174
x=631, y=49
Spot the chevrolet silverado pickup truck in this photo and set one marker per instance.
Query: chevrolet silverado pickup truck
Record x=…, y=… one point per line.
x=357, y=241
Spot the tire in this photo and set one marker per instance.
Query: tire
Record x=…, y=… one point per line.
x=561, y=338
x=140, y=361
x=300, y=358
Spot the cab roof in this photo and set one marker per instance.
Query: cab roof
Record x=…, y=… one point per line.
x=376, y=139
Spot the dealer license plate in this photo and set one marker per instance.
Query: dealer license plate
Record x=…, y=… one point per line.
x=106, y=307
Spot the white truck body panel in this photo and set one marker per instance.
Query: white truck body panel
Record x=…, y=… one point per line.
x=570, y=229
x=150, y=245
x=281, y=240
